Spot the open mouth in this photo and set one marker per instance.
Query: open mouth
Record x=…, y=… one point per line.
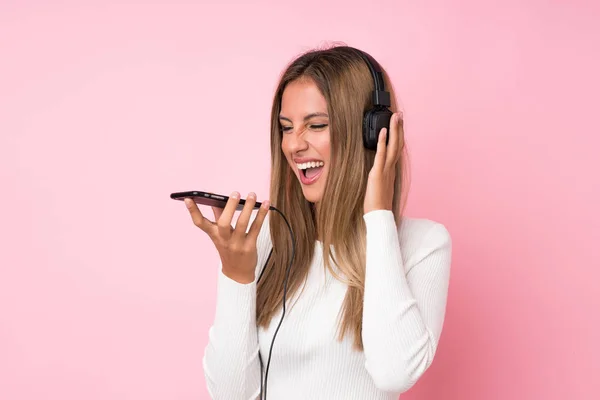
x=310, y=171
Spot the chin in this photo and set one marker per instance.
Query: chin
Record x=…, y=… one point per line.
x=312, y=195
x=311, y=199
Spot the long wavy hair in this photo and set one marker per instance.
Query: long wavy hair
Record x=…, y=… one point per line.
x=344, y=80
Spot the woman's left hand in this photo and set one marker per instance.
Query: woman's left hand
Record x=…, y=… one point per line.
x=380, y=185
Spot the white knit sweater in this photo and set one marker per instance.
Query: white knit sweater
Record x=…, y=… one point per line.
x=406, y=286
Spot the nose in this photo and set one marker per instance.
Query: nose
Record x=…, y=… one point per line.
x=295, y=141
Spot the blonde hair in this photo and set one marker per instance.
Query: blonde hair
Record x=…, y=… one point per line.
x=343, y=78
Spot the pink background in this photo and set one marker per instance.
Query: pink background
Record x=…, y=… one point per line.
x=107, y=289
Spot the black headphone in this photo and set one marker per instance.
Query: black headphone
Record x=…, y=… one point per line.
x=378, y=117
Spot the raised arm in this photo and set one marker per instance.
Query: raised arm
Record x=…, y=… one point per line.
x=405, y=296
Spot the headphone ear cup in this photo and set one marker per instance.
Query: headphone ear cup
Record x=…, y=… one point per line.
x=367, y=141
x=373, y=122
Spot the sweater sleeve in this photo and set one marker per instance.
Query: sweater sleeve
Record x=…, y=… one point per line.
x=404, y=300
x=231, y=358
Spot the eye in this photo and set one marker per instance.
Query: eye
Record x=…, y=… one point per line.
x=318, y=127
x=285, y=128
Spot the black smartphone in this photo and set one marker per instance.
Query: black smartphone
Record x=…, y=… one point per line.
x=210, y=199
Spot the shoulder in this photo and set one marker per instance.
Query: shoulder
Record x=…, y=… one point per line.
x=422, y=231
x=412, y=232
x=420, y=238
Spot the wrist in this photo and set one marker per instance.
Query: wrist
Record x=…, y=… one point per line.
x=243, y=278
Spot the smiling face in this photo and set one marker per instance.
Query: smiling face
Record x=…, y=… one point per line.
x=305, y=136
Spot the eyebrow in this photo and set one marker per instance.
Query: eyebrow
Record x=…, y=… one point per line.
x=309, y=116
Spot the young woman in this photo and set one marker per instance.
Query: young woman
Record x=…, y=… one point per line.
x=367, y=289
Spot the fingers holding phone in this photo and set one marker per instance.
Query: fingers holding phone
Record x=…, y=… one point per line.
x=199, y=220
x=242, y=223
x=236, y=246
x=224, y=222
x=258, y=221
x=217, y=211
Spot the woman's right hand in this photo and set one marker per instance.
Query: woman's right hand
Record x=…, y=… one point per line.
x=236, y=248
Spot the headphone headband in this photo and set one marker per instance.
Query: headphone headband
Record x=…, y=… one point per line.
x=381, y=97
x=377, y=117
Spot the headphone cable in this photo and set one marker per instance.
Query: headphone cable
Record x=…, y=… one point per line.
x=285, y=283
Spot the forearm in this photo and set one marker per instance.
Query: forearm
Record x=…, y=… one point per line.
x=400, y=320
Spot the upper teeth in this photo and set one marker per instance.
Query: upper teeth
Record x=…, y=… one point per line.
x=310, y=164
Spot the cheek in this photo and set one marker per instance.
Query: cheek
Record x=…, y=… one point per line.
x=325, y=149
x=285, y=150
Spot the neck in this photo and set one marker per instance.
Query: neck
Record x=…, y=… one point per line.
x=316, y=213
